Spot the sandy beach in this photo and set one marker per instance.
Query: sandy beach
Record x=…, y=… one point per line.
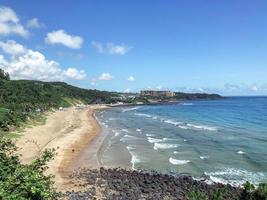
x=68, y=131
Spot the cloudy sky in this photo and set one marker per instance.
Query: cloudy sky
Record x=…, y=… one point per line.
x=192, y=46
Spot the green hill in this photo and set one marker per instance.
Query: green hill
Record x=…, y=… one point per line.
x=19, y=99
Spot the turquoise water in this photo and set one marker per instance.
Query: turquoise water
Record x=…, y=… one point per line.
x=225, y=140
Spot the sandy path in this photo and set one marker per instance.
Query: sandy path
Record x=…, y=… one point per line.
x=68, y=131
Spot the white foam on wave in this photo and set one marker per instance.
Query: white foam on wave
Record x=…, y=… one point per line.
x=178, y=162
x=111, y=119
x=153, y=140
x=235, y=177
x=131, y=109
x=172, y=122
x=127, y=138
x=187, y=104
x=125, y=130
x=117, y=134
x=150, y=135
x=240, y=152
x=176, y=152
x=143, y=115
x=138, y=130
x=183, y=127
x=135, y=158
x=164, y=146
x=169, y=139
x=202, y=127
x=204, y=157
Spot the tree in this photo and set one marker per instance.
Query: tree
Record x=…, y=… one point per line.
x=4, y=75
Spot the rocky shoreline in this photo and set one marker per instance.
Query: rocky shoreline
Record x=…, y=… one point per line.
x=121, y=184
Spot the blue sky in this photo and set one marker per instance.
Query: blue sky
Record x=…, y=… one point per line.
x=196, y=46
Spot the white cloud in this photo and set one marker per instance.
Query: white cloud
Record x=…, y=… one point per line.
x=131, y=78
x=99, y=47
x=75, y=74
x=111, y=48
x=12, y=48
x=117, y=49
x=34, y=23
x=105, y=77
x=34, y=65
x=10, y=23
x=61, y=37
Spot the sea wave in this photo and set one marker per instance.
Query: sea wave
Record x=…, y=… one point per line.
x=164, y=146
x=204, y=157
x=125, y=130
x=202, y=127
x=138, y=130
x=131, y=109
x=135, y=158
x=172, y=122
x=143, y=115
x=178, y=162
x=184, y=125
x=111, y=119
x=240, y=152
x=235, y=177
x=117, y=134
x=154, y=140
x=187, y=104
x=127, y=137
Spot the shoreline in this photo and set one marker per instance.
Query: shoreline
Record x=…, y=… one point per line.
x=69, y=132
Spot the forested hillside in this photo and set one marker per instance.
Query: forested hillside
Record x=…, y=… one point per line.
x=21, y=98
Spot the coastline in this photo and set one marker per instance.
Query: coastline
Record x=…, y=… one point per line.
x=69, y=132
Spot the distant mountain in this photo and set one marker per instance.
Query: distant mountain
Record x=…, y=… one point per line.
x=194, y=96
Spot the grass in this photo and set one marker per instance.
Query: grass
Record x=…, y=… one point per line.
x=34, y=120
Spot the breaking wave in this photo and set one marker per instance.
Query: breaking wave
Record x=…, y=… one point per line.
x=235, y=177
x=131, y=109
x=178, y=162
x=164, y=146
x=154, y=140
x=135, y=158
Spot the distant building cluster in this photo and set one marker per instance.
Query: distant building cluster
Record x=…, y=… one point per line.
x=154, y=93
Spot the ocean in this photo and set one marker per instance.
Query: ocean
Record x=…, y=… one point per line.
x=223, y=140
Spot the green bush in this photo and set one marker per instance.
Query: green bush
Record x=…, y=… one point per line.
x=261, y=192
x=218, y=194
x=21, y=182
x=197, y=195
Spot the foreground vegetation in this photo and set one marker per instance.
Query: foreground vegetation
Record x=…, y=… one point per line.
x=21, y=182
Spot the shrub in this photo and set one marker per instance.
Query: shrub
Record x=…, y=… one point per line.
x=197, y=195
x=19, y=181
x=261, y=192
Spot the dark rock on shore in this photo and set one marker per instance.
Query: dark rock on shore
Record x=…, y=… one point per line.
x=121, y=184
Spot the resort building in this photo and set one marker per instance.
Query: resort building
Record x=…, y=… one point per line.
x=154, y=93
